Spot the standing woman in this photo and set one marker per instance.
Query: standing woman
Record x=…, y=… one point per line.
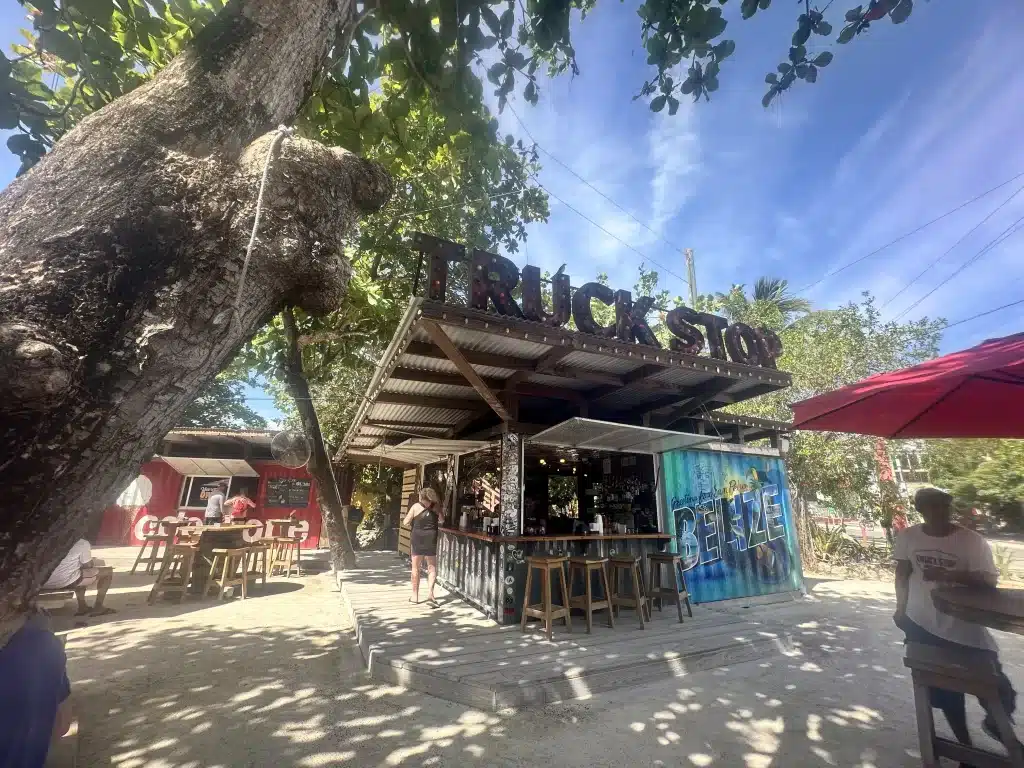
x=423, y=519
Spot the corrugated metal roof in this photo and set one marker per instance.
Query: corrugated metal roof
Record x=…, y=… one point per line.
x=429, y=389
x=438, y=365
x=497, y=344
x=224, y=432
x=414, y=414
x=586, y=361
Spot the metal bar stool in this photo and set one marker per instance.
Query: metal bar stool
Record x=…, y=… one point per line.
x=587, y=566
x=629, y=566
x=657, y=591
x=545, y=610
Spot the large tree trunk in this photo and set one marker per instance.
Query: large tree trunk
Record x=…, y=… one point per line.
x=120, y=257
x=343, y=555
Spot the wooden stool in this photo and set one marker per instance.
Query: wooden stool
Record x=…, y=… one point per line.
x=154, y=540
x=175, y=572
x=634, y=576
x=232, y=573
x=655, y=590
x=259, y=561
x=587, y=567
x=966, y=673
x=545, y=610
x=285, y=554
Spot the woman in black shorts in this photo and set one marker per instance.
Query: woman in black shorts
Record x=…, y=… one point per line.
x=423, y=519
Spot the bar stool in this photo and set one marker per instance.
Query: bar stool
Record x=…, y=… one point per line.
x=232, y=571
x=175, y=572
x=961, y=672
x=259, y=562
x=285, y=554
x=545, y=610
x=630, y=567
x=655, y=589
x=587, y=566
x=164, y=534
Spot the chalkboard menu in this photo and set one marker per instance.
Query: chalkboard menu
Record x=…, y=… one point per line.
x=287, y=492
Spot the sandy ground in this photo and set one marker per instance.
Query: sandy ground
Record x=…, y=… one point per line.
x=277, y=681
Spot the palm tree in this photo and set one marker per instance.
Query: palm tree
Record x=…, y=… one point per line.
x=775, y=291
x=771, y=298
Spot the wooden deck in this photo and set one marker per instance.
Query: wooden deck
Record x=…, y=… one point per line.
x=455, y=653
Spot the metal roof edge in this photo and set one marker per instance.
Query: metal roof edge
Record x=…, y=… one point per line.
x=398, y=342
x=598, y=345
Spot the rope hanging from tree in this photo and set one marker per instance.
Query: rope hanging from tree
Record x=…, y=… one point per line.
x=282, y=132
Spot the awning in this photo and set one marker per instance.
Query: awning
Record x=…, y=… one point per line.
x=210, y=467
x=624, y=438
x=423, y=450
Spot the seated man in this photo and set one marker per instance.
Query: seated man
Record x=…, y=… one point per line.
x=78, y=571
x=34, y=704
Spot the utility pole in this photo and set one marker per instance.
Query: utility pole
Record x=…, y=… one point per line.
x=691, y=276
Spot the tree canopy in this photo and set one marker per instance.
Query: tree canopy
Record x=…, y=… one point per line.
x=222, y=405
x=100, y=49
x=981, y=472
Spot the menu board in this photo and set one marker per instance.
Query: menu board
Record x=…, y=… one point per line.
x=288, y=492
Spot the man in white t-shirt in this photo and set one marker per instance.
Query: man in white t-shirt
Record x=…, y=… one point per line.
x=935, y=553
x=78, y=571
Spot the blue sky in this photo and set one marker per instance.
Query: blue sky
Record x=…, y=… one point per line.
x=905, y=124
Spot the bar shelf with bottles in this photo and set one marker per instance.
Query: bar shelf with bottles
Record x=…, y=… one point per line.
x=575, y=503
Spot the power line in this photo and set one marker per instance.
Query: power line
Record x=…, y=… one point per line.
x=580, y=178
x=909, y=234
x=982, y=314
x=614, y=237
x=953, y=246
x=1006, y=233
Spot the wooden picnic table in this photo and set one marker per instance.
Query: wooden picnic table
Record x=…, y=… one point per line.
x=999, y=608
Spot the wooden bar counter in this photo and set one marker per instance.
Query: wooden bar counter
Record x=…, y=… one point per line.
x=489, y=572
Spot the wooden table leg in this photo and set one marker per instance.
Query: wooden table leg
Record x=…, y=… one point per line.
x=925, y=726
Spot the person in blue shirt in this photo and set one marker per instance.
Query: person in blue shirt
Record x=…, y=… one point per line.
x=34, y=689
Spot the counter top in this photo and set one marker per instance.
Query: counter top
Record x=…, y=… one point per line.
x=566, y=537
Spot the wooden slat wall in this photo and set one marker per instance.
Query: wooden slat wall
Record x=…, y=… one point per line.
x=410, y=485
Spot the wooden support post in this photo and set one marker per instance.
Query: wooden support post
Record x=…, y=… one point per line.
x=440, y=338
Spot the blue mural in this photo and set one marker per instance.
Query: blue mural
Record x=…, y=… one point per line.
x=730, y=516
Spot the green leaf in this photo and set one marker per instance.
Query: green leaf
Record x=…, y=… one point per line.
x=771, y=78
x=823, y=28
x=530, y=92
x=763, y=4
x=61, y=44
x=784, y=67
x=768, y=97
x=801, y=70
x=23, y=144
x=99, y=11
x=854, y=14
x=515, y=59
x=848, y=33
x=487, y=42
x=673, y=105
x=658, y=104
x=797, y=53
x=508, y=18
x=748, y=8
x=496, y=72
x=492, y=20
x=711, y=84
x=902, y=11
x=802, y=34
x=689, y=86
x=724, y=49
x=812, y=74
x=822, y=59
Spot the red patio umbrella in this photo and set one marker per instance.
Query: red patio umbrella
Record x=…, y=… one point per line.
x=978, y=392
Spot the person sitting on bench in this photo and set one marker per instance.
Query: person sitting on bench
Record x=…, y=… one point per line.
x=78, y=571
